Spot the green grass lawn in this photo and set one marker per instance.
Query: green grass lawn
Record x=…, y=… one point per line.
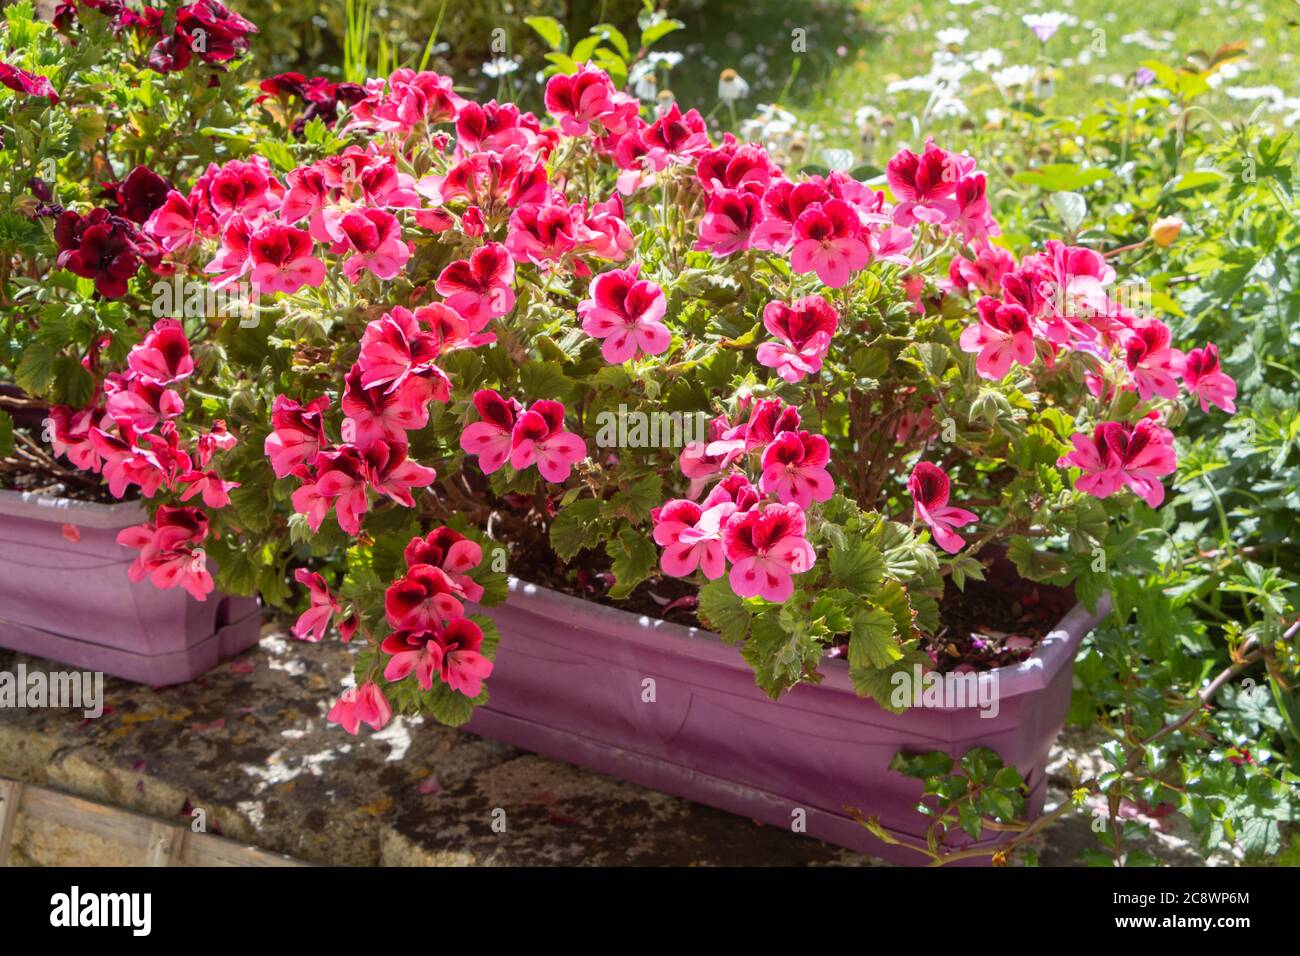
x=948, y=68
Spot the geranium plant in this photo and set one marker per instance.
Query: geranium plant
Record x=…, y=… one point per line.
x=430, y=308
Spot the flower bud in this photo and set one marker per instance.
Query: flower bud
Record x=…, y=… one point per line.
x=1165, y=230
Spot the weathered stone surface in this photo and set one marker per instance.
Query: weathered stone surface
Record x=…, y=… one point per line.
x=249, y=744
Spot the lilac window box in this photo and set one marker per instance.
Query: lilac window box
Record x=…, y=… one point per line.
x=71, y=600
x=569, y=683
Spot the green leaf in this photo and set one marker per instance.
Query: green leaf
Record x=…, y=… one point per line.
x=573, y=528
x=550, y=30
x=545, y=378
x=614, y=36
x=725, y=612
x=1041, y=566
x=584, y=48
x=1072, y=208
x=73, y=385
x=637, y=500
x=658, y=28
x=635, y=558
x=280, y=155
x=780, y=658
x=1062, y=177
x=36, y=368
x=879, y=685
x=872, y=642
x=451, y=707
x=858, y=565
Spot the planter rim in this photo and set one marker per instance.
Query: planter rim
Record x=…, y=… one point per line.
x=88, y=514
x=1054, y=651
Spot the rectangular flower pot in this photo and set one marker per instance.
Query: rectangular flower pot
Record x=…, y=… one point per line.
x=66, y=596
x=570, y=682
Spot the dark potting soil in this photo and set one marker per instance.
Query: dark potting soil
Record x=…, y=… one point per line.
x=992, y=623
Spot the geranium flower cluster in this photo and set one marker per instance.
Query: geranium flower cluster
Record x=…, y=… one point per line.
x=347, y=202
x=387, y=393
x=128, y=433
x=505, y=432
x=170, y=555
x=321, y=96
x=760, y=530
x=1059, y=303
x=206, y=29
x=431, y=635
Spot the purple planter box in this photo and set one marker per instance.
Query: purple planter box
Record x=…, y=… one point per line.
x=568, y=683
x=73, y=602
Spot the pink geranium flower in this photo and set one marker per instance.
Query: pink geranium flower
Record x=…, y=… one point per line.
x=929, y=487
x=20, y=81
x=163, y=357
x=366, y=705
x=803, y=331
x=973, y=220
x=125, y=463
x=1002, y=336
x=691, y=537
x=392, y=474
x=282, y=260
x=700, y=461
x=765, y=548
x=985, y=272
x=794, y=468
x=735, y=166
x=377, y=413
x=313, y=622
x=828, y=241
x=603, y=233
x=451, y=551
x=541, y=232
x=492, y=437
x=71, y=436
x=214, y=489
x=299, y=433
x=492, y=126
x=675, y=138
x=588, y=96
x=375, y=236
x=1119, y=454
x=170, y=555
x=422, y=599
x=783, y=203
x=174, y=224
x=451, y=651
x=479, y=288
x=1151, y=361
x=139, y=403
x=449, y=329
x=731, y=216
x=396, y=347
x=306, y=198
x=539, y=438
x=1205, y=380
x=627, y=313
x=339, y=482
x=925, y=184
